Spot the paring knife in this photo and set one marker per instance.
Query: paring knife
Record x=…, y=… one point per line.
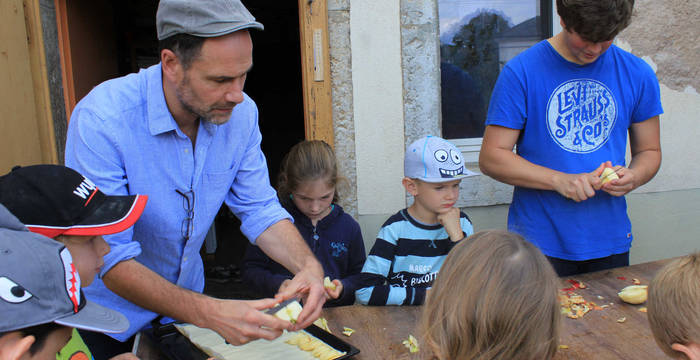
x=273, y=310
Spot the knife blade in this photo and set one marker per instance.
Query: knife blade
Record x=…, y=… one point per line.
x=273, y=310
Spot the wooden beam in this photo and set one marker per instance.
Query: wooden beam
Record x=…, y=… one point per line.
x=40, y=82
x=316, y=70
x=65, y=52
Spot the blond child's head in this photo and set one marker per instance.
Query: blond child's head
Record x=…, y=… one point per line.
x=309, y=178
x=495, y=298
x=674, y=307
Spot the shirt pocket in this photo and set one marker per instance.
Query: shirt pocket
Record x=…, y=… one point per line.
x=216, y=185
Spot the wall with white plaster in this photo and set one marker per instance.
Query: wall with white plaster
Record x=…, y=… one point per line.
x=377, y=105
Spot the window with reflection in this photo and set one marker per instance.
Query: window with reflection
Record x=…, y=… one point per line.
x=477, y=38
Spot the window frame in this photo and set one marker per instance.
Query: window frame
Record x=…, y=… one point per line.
x=471, y=147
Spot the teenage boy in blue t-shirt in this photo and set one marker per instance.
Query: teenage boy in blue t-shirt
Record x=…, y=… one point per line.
x=569, y=103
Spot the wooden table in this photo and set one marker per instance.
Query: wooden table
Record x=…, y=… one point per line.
x=598, y=335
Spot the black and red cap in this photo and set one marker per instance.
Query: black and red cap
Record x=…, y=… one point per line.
x=56, y=200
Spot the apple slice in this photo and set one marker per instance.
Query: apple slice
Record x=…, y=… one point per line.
x=328, y=284
x=322, y=323
x=347, y=331
x=290, y=312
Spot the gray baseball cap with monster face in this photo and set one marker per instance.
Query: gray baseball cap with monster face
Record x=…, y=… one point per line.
x=433, y=159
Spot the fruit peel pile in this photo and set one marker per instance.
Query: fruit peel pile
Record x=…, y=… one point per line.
x=573, y=305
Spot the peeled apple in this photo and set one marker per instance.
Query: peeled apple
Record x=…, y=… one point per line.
x=633, y=294
x=328, y=284
x=607, y=175
x=290, y=312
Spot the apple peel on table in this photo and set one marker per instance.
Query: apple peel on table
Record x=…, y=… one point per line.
x=608, y=175
x=633, y=294
x=411, y=344
x=290, y=312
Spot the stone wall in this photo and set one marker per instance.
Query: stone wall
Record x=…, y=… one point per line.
x=664, y=34
x=667, y=32
x=341, y=77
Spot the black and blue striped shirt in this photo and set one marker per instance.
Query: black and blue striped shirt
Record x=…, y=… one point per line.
x=404, y=260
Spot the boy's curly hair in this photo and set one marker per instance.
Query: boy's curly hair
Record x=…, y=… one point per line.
x=595, y=20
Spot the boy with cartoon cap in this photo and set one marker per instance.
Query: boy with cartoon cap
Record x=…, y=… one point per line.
x=40, y=296
x=58, y=202
x=413, y=243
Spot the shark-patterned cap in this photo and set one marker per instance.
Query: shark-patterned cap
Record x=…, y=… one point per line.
x=435, y=160
x=40, y=284
x=56, y=200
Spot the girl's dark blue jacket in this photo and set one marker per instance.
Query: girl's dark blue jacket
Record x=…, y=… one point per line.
x=337, y=243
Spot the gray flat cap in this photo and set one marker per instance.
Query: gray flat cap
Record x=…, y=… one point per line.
x=205, y=18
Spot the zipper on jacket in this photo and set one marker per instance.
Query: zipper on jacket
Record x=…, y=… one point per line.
x=315, y=237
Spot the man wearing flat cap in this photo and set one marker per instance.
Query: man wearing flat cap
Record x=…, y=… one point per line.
x=184, y=132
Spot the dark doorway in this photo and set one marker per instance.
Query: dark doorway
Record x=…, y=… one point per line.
x=275, y=84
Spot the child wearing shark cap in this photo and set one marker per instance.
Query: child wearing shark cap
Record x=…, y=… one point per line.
x=60, y=203
x=413, y=243
x=40, y=296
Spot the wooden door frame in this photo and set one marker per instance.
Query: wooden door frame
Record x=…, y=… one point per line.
x=316, y=70
x=40, y=82
x=65, y=51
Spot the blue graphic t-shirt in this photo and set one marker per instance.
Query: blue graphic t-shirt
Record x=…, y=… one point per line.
x=572, y=118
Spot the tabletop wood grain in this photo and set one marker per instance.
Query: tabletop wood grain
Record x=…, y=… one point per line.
x=598, y=335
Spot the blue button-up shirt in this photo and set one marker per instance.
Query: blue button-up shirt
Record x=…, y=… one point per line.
x=123, y=138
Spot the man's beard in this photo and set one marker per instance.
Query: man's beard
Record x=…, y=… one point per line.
x=184, y=93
